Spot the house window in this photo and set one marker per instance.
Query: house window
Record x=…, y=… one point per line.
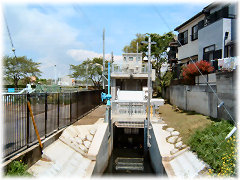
x=130, y=58
x=124, y=58
x=183, y=37
x=194, y=32
x=208, y=53
x=138, y=58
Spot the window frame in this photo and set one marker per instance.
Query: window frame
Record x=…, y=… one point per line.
x=194, y=34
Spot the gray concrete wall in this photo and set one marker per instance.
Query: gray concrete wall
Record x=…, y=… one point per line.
x=103, y=154
x=226, y=90
x=201, y=99
x=178, y=96
x=155, y=156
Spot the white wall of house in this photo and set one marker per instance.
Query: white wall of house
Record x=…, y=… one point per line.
x=213, y=34
x=191, y=48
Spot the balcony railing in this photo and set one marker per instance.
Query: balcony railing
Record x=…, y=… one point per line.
x=129, y=69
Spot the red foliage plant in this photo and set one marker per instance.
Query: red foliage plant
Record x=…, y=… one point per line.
x=190, y=71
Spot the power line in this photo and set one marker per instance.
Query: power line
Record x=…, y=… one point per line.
x=196, y=66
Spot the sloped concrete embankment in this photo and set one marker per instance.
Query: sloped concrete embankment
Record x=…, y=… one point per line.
x=81, y=150
x=169, y=154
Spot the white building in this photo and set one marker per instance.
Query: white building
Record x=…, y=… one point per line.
x=209, y=35
x=132, y=75
x=66, y=81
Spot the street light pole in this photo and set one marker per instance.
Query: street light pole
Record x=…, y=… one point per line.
x=147, y=123
x=149, y=88
x=103, y=59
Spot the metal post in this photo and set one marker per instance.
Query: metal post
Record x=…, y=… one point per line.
x=58, y=110
x=103, y=59
x=87, y=77
x=46, y=109
x=70, y=113
x=149, y=87
x=137, y=47
x=28, y=120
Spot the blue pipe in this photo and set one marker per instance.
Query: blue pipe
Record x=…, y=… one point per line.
x=109, y=76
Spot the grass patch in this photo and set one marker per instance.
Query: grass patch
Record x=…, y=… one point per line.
x=186, y=122
x=17, y=168
x=211, y=146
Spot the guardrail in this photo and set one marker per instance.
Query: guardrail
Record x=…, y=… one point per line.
x=52, y=112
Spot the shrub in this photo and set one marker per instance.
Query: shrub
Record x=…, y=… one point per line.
x=190, y=71
x=17, y=168
x=211, y=146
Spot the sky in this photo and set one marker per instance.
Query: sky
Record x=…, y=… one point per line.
x=68, y=33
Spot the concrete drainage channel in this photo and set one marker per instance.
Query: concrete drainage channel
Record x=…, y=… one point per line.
x=81, y=151
x=87, y=150
x=176, y=158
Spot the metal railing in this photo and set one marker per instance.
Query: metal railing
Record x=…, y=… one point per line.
x=130, y=108
x=52, y=112
x=120, y=69
x=133, y=108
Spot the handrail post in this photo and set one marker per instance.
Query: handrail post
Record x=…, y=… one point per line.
x=58, y=110
x=46, y=109
x=28, y=120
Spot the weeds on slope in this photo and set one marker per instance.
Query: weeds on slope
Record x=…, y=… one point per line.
x=211, y=146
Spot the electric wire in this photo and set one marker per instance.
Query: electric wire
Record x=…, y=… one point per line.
x=156, y=10
x=214, y=138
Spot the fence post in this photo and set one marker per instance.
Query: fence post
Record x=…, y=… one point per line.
x=70, y=107
x=77, y=97
x=58, y=110
x=28, y=120
x=46, y=109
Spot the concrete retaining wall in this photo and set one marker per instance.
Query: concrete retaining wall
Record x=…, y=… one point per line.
x=104, y=151
x=201, y=99
x=178, y=96
x=155, y=156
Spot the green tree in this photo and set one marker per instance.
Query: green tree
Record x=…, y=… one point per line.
x=159, y=51
x=19, y=68
x=132, y=48
x=94, y=71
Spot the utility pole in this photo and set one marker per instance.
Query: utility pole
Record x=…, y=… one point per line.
x=87, y=77
x=55, y=73
x=137, y=47
x=147, y=123
x=103, y=80
x=112, y=56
